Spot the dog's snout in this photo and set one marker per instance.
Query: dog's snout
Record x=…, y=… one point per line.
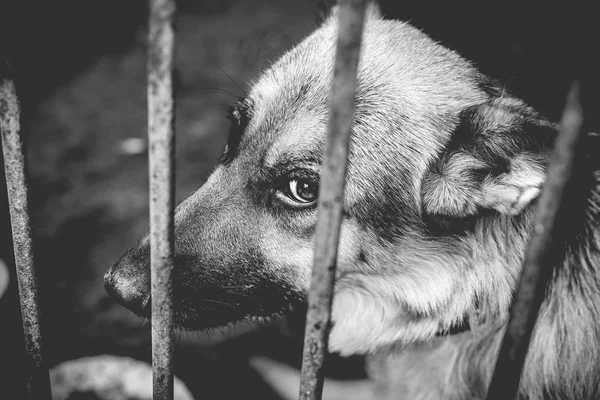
x=128, y=282
x=125, y=293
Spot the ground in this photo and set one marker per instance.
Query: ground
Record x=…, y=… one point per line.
x=81, y=77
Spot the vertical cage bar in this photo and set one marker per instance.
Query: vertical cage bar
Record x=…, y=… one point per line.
x=541, y=253
x=161, y=126
x=331, y=196
x=15, y=166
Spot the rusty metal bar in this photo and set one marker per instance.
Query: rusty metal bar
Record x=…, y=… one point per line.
x=331, y=196
x=15, y=166
x=161, y=127
x=541, y=255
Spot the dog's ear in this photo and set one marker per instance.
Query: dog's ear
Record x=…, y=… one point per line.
x=328, y=11
x=496, y=160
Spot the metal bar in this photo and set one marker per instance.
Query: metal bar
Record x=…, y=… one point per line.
x=331, y=195
x=15, y=166
x=548, y=236
x=161, y=127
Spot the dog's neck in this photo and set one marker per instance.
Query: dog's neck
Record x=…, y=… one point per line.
x=563, y=357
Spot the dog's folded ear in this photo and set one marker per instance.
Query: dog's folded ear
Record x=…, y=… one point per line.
x=495, y=160
x=329, y=9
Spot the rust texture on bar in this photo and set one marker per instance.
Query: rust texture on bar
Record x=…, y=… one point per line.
x=161, y=111
x=318, y=318
x=15, y=165
x=543, y=251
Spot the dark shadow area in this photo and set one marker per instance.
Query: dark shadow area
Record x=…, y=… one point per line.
x=52, y=41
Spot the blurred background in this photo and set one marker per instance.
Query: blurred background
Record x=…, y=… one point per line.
x=81, y=78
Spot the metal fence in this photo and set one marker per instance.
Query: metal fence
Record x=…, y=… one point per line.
x=529, y=295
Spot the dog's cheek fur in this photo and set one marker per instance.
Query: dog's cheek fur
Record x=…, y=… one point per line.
x=424, y=287
x=290, y=256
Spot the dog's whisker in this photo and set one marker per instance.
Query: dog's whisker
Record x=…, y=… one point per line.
x=222, y=91
x=231, y=79
x=218, y=302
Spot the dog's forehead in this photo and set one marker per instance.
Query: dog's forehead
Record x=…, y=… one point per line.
x=302, y=71
x=290, y=100
x=393, y=53
x=297, y=84
x=405, y=79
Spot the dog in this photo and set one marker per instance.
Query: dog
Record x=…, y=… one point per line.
x=444, y=171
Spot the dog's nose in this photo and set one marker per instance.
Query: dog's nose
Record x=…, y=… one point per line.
x=126, y=294
x=128, y=282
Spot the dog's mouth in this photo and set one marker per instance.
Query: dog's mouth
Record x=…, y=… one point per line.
x=203, y=310
x=204, y=324
x=201, y=319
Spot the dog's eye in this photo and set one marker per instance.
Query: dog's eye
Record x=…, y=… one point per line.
x=303, y=190
x=298, y=188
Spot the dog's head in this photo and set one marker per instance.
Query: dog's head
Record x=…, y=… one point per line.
x=442, y=170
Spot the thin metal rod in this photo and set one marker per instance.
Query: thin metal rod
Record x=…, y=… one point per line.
x=161, y=126
x=15, y=166
x=541, y=256
x=331, y=196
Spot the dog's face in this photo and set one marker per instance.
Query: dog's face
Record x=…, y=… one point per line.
x=443, y=167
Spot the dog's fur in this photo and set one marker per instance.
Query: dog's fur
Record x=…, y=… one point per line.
x=444, y=170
